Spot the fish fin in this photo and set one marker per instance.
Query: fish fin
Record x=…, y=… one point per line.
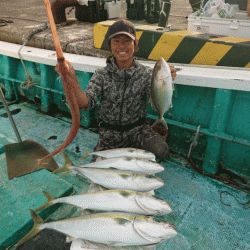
x=152, y=103
x=49, y=203
x=49, y=196
x=37, y=222
x=86, y=154
x=114, y=168
x=65, y=167
x=67, y=159
x=66, y=173
x=115, y=243
x=162, y=121
x=60, y=170
x=151, y=192
x=70, y=238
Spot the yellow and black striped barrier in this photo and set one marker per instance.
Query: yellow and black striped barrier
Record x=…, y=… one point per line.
x=183, y=46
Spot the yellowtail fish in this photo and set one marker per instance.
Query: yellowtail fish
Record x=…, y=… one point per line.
x=114, y=200
x=120, y=152
x=161, y=90
x=114, y=229
x=115, y=179
x=135, y=165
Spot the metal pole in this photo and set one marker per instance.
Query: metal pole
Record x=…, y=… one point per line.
x=10, y=116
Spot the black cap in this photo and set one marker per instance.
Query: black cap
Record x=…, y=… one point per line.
x=122, y=27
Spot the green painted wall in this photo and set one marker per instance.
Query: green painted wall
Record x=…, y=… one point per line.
x=222, y=114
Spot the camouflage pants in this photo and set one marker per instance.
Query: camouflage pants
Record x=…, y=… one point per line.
x=142, y=137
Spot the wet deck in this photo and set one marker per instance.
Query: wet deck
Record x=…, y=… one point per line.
x=201, y=220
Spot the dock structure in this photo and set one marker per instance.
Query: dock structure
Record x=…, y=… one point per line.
x=24, y=17
x=210, y=112
x=175, y=44
x=183, y=46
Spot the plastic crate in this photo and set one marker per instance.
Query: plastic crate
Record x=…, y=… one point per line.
x=239, y=26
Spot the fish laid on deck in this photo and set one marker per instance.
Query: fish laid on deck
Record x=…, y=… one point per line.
x=66, y=71
x=108, y=228
x=115, y=179
x=161, y=90
x=114, y=200
x=124, y=163
x=135, y=165
x=120, y=152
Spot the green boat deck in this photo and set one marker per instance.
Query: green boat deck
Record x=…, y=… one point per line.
x=200, y=218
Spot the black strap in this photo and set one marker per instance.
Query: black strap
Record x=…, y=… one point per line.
x=122, y=128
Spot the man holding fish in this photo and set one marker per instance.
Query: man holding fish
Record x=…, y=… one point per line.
x=124, y=86
x=127, y=210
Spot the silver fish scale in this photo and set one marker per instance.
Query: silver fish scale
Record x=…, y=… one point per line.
x=122, y=152
x=135, y=165
x=118, y=229
x=114, y=179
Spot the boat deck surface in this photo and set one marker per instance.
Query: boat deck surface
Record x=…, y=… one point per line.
x=200, y=218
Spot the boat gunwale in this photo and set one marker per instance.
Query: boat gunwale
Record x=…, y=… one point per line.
x=218, y=77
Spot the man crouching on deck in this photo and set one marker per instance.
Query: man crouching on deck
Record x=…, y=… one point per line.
x=124, y=87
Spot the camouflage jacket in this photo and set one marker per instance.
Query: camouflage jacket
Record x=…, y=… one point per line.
x=124, y=92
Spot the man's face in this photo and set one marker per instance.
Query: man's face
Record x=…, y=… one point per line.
x=122, y=47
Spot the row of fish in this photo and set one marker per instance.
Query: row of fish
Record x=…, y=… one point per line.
x=121, y=173
x=126, y=209
x=113, y=228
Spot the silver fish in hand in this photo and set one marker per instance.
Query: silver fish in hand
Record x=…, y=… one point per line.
x=161, y=90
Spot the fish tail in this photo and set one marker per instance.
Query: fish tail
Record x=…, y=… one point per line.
x=162, y=121
x=67, y=159
x=87, y=154
x=65, y=167
x=35, y=230
x=49, y=203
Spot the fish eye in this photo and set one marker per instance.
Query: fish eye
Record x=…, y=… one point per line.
x=168, y=226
